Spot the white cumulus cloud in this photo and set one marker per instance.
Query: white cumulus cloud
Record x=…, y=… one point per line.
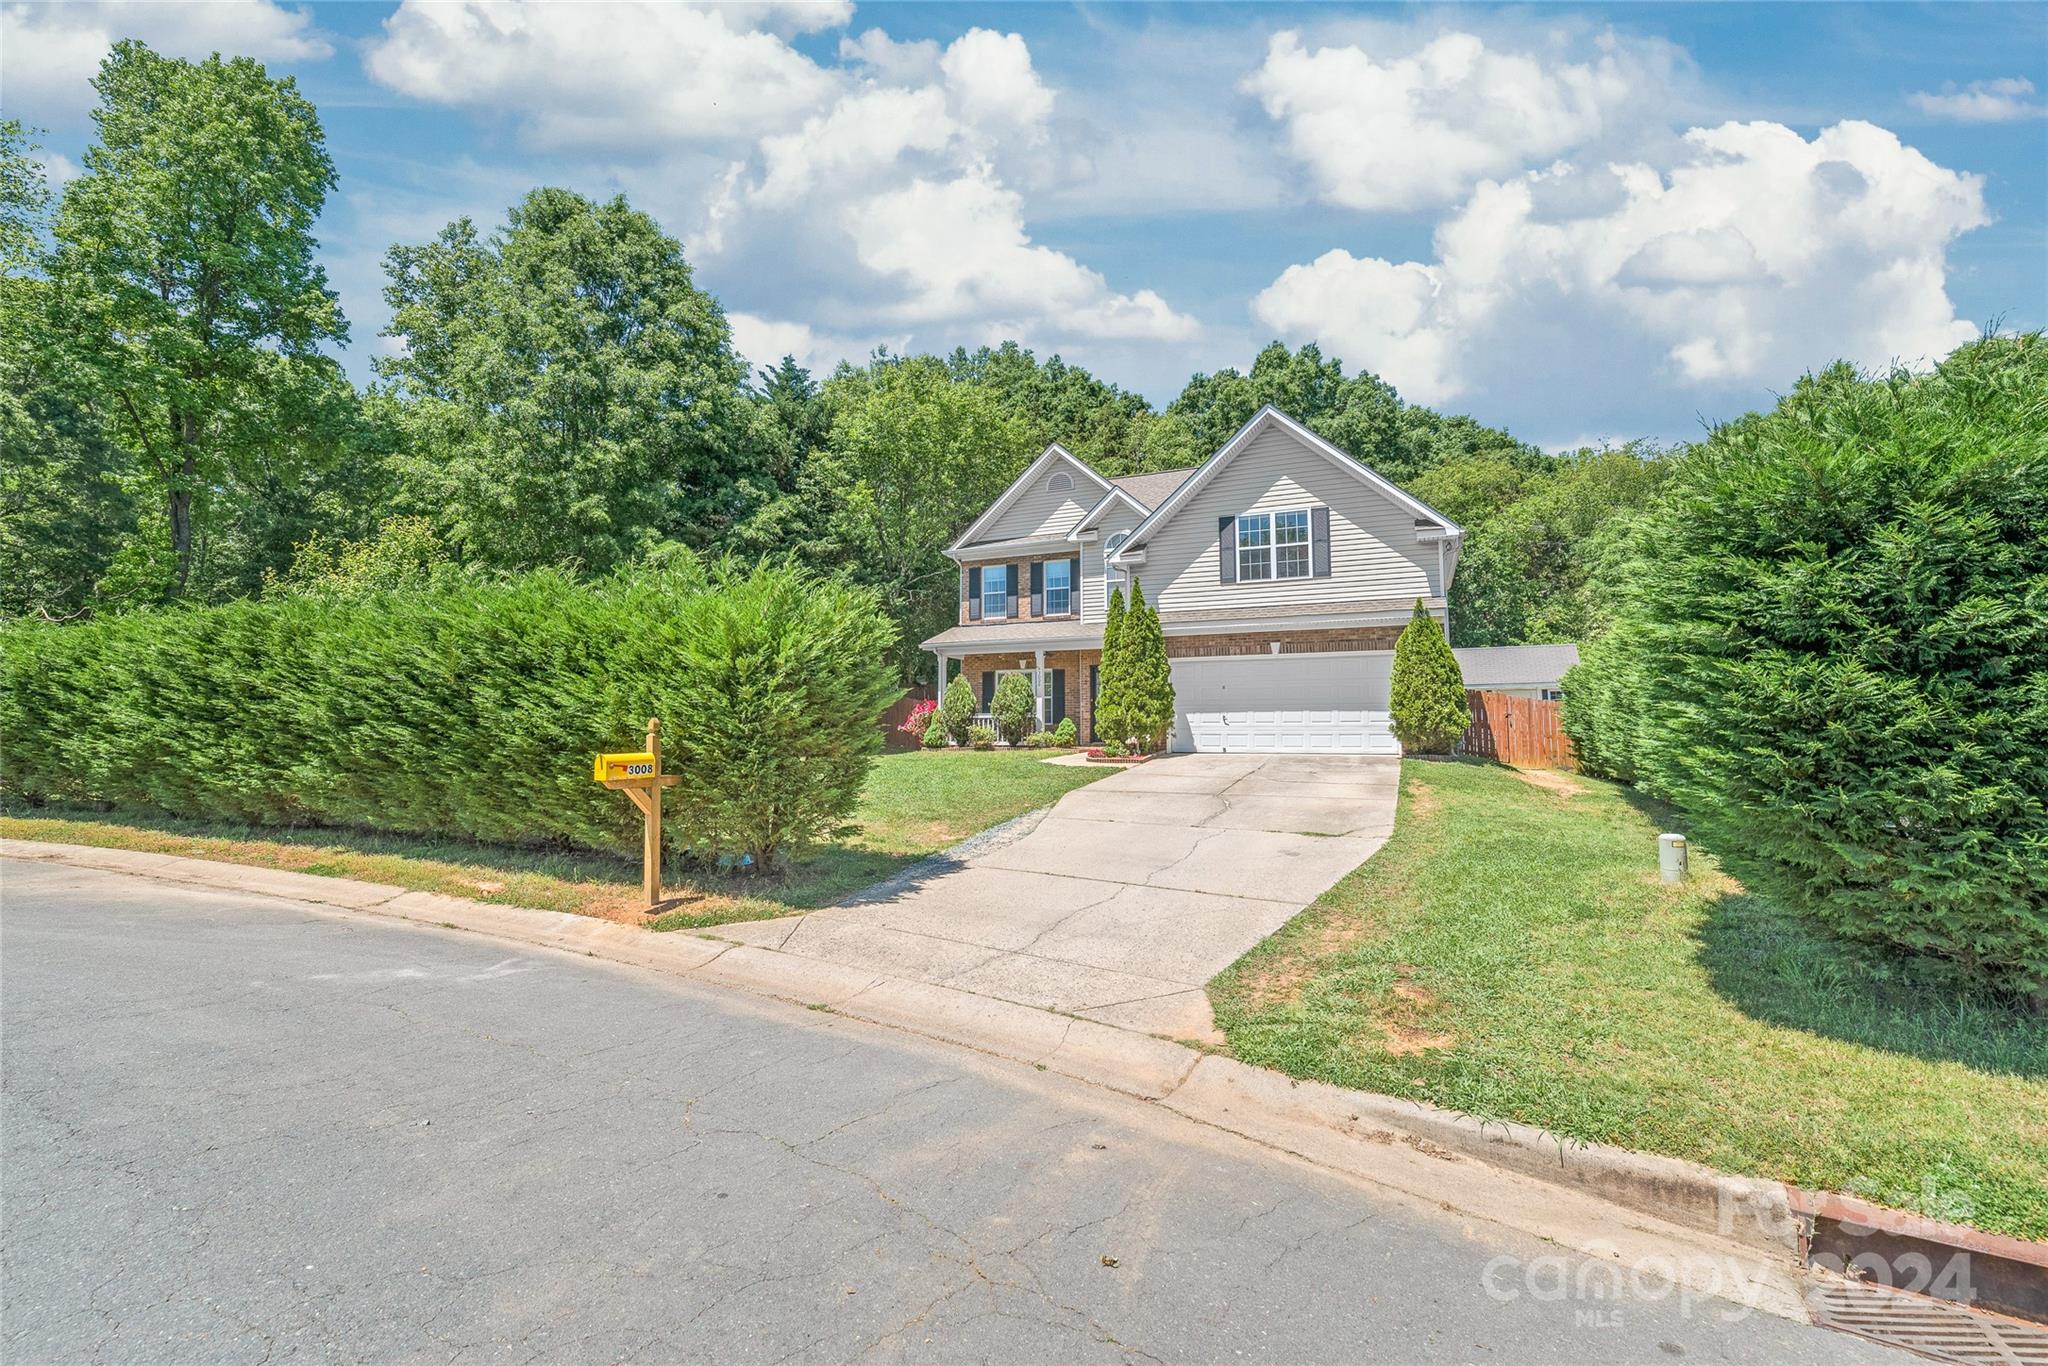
x=49, y=53
x=611, y=77
x=1754, y=255
x=1999, y=101
x=765, y=341
x=1416, y=129
x=898, y=203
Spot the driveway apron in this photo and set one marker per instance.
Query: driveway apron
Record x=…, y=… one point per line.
x=1128, y=896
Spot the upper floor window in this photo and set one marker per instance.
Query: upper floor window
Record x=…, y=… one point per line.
x=1273, y=545
x=1254, y=546
x=1061, y=482
x=1290, y=545
x=1109, y=548
x=1059, y=587
x=995, y=591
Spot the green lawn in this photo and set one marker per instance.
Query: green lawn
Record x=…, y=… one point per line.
x=914, y=804
x=1511, y=954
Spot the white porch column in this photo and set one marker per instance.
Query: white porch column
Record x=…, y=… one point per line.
x=1038, y=685
x=939, y=688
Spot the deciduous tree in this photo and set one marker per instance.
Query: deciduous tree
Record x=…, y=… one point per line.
x=566, y=393
x=187, y=292
x=919, y=455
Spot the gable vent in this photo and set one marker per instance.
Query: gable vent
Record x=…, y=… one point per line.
x=1061, y=482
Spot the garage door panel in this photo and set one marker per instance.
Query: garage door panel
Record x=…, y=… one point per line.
x=1286, y=704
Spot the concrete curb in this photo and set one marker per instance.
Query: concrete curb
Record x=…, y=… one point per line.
x=1738, y=1236
x=1746, y=1210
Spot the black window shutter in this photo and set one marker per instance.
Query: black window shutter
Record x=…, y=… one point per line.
x=1056, y=712
x=1226, y=550
x=974, y=594
x=1011, y=582
x=1074, y=585
x=1038, y=588
x=988, y=688
x=1319, y=541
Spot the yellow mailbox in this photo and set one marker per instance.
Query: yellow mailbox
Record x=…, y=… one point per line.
x=639, y=776
x=637, y=767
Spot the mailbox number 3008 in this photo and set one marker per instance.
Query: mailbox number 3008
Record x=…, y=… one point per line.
x=639, y=768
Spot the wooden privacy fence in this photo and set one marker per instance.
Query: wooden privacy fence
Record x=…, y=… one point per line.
x=1517, y=730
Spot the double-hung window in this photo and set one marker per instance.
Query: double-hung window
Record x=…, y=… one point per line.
x=1290, y=545
x=1273, y=545
x=1254, y=546
x=1059, y=587
x=995, y=591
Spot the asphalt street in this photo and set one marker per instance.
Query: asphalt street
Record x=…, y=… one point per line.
x=240, y=1129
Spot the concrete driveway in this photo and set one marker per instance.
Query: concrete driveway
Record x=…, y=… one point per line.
x=1128, y=896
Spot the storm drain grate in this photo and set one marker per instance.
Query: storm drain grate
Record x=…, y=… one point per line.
x=1944, y=1332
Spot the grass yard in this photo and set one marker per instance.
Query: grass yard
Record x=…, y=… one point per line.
x=1511, y=954
x=915, y=804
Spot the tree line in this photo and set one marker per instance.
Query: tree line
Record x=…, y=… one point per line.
x=558, y=392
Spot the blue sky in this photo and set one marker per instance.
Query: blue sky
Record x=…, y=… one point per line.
x=1579, y=222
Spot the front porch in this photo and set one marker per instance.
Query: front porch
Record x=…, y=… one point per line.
x=1062, y=683
x=1059, y=659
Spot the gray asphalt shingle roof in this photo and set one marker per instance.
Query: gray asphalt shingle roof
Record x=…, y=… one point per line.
x=1487, y=665
x=1152, y=489
x=1003, y=635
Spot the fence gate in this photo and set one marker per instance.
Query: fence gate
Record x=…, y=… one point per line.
x=1518, y=730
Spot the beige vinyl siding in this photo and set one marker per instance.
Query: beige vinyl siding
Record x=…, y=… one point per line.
x=1373, y=550
x=1095, y=595
x=1039, y=511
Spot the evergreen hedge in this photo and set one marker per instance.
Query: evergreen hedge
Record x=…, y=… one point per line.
x=471, y=708
x=1832, y=650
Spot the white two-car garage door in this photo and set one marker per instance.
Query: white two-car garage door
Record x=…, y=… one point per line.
x=1284, y=704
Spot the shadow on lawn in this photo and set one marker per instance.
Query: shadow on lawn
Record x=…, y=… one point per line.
x=818, y=878
x=1775, y=967
x=1782, y=969
x=580, y=865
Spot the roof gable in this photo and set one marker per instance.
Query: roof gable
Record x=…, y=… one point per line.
x=1152, y=489
x=1116, y=494
x=1051, y=458
x=1266, y=417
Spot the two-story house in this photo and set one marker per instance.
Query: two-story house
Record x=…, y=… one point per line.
x=1282, y=570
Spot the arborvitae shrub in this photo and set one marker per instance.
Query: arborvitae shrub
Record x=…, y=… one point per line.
x=1014, y=708
x=957, y=709
x=1149, y=680
x=1430, y=713
x=1112, y=710
x=1834, y=643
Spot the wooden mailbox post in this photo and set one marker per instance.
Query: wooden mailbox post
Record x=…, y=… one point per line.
x=639, y=776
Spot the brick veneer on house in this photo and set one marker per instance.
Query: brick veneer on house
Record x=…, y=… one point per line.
x=1023, y=563
x=1291, y=642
